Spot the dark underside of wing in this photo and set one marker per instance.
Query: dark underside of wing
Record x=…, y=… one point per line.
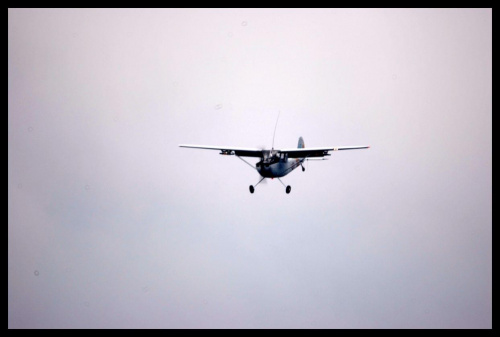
x=307, y=154
x=318, y=151
x=243, y=153
x=310, y=152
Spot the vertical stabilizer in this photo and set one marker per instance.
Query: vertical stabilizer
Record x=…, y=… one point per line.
x=301, y=143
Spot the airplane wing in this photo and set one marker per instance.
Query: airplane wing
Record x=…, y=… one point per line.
x=309, y=152
x=238, y=151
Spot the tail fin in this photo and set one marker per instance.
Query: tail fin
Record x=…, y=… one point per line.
x=301, y=143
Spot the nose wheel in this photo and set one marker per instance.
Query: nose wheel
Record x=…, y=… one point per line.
x=252, y=189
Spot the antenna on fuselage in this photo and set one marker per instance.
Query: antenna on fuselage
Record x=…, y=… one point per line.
x=272, y=147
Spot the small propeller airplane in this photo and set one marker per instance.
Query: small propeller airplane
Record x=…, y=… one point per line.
x=277, y=163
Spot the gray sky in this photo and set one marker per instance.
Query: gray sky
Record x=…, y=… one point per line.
x=111, y=225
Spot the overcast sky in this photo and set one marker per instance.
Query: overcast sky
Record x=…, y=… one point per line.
x=112, y=225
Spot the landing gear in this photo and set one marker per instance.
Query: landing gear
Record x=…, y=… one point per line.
x=287, y=188
x=303, y=168
x=252, y=188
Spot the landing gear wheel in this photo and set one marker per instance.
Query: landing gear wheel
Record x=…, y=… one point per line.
x=288, y=189
x=303, y=168
x=252, y=189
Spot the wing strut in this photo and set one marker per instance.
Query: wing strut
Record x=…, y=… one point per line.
x=248, y=164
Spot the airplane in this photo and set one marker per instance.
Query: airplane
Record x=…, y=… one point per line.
x=277, y=163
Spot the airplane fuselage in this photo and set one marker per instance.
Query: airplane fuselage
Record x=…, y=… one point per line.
x=277, y=166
